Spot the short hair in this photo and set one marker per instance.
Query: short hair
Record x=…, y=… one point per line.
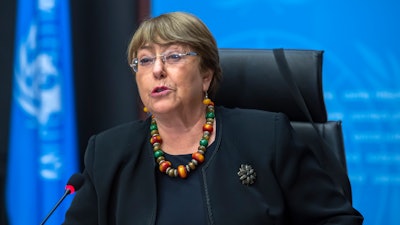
x=185, y=29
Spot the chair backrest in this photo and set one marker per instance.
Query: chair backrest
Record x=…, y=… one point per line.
x=253, y=79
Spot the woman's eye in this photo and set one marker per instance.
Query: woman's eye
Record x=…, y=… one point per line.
x=174, y=57
x=146, y=60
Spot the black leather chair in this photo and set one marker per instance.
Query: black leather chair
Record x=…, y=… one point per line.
x=288, y=81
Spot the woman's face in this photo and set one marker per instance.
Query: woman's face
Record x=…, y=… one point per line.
x=174, y=85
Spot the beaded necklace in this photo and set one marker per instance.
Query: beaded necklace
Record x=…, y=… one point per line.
x=182, y=171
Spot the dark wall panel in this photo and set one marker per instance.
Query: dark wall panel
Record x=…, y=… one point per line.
x=106, y=94
x=105, y=91
x=7, y=24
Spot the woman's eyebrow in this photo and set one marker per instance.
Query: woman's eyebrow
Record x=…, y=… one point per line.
x=164, y=47
x=146, y=47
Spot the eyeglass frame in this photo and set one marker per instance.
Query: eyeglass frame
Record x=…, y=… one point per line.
x=135, y=61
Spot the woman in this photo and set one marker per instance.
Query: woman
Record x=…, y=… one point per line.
x=191, y=162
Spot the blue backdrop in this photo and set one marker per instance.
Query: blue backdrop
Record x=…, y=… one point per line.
x=361, y=76
x=42, y=153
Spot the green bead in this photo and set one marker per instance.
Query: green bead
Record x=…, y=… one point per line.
x=210, y=115
x=203, y=142
x=153, y=127
x=158, y=153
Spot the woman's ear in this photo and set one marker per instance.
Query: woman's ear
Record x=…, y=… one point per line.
x=207, y=78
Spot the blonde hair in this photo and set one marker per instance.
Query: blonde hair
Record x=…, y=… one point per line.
x=184, y=29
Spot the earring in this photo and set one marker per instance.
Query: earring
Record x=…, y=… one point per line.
x=206, y=100
x=145, y=109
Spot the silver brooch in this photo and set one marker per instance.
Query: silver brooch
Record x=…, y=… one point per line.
x=247, y=174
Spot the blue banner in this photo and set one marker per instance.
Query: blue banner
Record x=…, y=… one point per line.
x=361, y=76
x=43, y=148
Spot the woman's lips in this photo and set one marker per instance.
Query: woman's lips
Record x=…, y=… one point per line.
x=160, y=91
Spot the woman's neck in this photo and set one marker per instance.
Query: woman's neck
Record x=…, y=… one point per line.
x=181, y=133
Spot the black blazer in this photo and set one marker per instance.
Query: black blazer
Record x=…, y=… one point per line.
x=290, y=187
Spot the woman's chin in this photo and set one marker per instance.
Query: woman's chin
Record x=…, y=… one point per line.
x=163, y=109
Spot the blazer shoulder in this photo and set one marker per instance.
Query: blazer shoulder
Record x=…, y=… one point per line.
x=119, y=141
x=251, y=115
x=137, y=127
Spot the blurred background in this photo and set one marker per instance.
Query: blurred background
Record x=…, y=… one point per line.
x=82, y=47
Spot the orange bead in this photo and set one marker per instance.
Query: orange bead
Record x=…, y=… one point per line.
x=155, y=139
x=208, y=127
x=206, y=101
x=182, y=171
x=198, y=157
x=164, y=166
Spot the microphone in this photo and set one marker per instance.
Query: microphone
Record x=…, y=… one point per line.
x=74, y=183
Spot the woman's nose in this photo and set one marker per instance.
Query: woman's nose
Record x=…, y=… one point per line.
x=158, y=68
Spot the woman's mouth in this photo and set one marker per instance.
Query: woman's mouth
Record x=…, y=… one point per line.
x=157, y=91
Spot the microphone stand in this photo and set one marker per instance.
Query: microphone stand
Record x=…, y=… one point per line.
x=66, y=193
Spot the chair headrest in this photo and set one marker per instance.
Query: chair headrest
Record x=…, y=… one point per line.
x=251, y=79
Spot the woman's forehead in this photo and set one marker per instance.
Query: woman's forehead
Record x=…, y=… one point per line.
x=163, y=46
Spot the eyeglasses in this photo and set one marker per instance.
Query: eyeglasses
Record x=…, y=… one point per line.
x=169, y=58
